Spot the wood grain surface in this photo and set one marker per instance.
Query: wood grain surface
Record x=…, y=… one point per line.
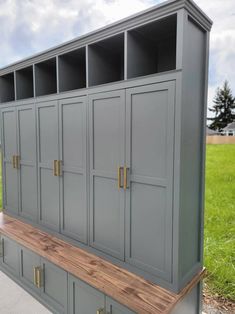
x=125, y=287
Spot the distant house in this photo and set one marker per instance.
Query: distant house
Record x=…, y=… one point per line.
x=229, y=130
x=210, y=132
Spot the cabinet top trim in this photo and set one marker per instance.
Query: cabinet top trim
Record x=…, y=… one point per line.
x=151, y=14
x=127, y=288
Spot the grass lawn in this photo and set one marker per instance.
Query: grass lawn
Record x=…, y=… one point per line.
x=219, y=257
x=219, y=243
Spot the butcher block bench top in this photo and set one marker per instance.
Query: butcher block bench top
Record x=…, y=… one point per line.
x=129, y=289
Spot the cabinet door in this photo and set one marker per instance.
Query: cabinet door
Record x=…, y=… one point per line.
x=28, y=171
x=55, y=285
x=73, y=155
x=149, y=147
x=9, y=149
x=113, y=307
x=10, y=256
x=106, y=123
x=48, y=151
x=83, y=299
x=28, y=260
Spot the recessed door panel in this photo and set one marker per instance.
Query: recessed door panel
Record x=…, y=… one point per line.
x=72, y=127
x=48, y=151
x=10, y=259
x=10, y=174
x=107, y=138
x=28, y=161
x=83, y=299
x=149, y=147
x=55, y=284
x=116, y=308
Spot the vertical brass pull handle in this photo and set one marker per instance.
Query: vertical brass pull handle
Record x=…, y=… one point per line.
x=126, y=185
x=17, y=162
x=55, y=168
x=58, y=166
x=14, y=161
x=120, y=184
x=35, y=276
x=39, y=277
x=100, y=311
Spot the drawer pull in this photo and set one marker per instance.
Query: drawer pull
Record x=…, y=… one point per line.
x=39, y=277
x=120, y=170
x=58, y=167
x=55, y=168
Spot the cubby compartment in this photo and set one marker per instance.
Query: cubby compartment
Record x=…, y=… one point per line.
x=106, y=60
x=24, y=83
x=7, y=87
x=72, y=70
x=45, y=77
x=152, y=48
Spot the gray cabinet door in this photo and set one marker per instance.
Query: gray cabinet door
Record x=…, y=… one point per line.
x=26, y=127
x=113, y=307
x=55, y=286
x=106, y=125
x=48, y=151
x=83, y=299
x=10, y=256
x=149, y=148
x=72, y=126
x=9, y=148
x=28, y=260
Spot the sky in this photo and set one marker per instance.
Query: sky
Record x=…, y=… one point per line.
x=30, y=26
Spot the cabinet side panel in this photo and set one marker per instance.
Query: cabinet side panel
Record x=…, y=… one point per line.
x=192, y=149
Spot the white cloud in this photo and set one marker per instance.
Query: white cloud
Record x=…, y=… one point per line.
x=31, y=26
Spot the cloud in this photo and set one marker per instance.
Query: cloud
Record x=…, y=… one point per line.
x=31, y=26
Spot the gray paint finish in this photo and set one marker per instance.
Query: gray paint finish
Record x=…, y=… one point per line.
x=149, y=148
x=72, y=125
x=10, y=258
x=106, y=118
x=114, y=307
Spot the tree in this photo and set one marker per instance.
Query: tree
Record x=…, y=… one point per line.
x=224, y=108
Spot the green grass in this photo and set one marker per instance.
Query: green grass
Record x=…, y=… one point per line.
x=219, y=243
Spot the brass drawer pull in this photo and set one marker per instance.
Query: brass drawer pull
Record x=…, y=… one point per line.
x=17, y=162
x=126, y=183
x=120, y=171
x=35, y=276
x=55, y=168
x=58, y=166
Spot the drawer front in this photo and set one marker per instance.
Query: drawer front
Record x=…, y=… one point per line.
x=28, y=260
x=114, y=307
x=10, y=256
x=55, y=286
x=83, y=299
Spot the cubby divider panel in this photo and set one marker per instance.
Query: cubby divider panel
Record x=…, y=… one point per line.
x=24, y=83
x=151, y=48
x=106, y=60
x=72, y=70
x=7, y=87
x=45, y=77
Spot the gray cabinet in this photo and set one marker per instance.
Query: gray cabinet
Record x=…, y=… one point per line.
x=9, y=151
x=10, y=256
x=54, y=286
x=48, y=153
x=107, y=153
x=83, y=299
x=72, y=139
x=113, y=307
x=26, y=132
x=149, y=160
x=46, y=279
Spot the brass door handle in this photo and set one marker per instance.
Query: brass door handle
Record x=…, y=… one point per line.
x=37, y=276
x=59, y=167
x=120, y=184
x=14, y=161
x=126, y=183
x=55, y=168
x=100, y=311
x=17, y=162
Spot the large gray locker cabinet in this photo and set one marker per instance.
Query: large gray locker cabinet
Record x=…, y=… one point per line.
x=103, y=141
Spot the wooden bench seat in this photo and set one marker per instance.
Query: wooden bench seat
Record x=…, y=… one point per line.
x=127, y=288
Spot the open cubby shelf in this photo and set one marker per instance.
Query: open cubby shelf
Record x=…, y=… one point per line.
x=7, y=87
x=45, y=77
x=106, y=61
x=24, y=83
x=150, y=49
x=72, y=70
